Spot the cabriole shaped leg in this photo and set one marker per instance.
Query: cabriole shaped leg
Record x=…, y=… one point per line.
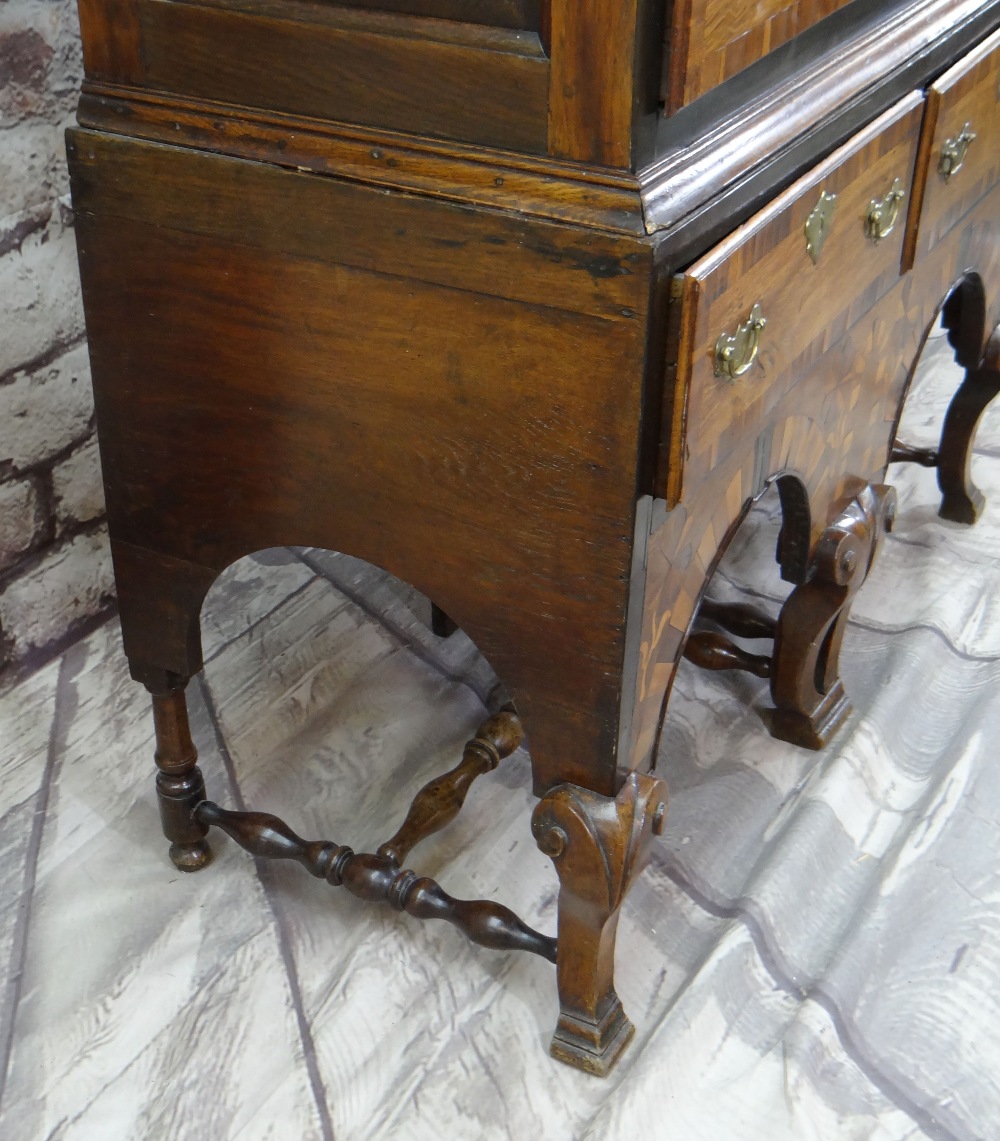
x=598, y=845
x=180, y=787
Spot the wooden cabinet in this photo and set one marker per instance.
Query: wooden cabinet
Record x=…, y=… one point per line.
x=578, y=79
x=504, y=298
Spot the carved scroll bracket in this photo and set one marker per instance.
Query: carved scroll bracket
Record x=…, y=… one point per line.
x=598, y=846
x=805, y=683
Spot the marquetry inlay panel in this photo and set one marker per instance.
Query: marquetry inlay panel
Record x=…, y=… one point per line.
x=712, y=40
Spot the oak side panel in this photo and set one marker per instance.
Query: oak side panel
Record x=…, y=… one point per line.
x=261, y=390
x=347, y=74
x=604, y=80
x=263, y=205
x=112, y=48
x=494, y=13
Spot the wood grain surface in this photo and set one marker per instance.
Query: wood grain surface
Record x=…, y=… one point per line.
x=477, y=91
x=808, y=305
x=830, y=430
x=712, y=40
x=513, y=458
x=818, y=966
x=966, y=97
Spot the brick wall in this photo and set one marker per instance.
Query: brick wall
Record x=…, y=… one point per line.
x=55, y=571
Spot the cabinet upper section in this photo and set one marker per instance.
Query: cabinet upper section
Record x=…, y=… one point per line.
x=709, y=41
x=492, y=13
x=589, y=81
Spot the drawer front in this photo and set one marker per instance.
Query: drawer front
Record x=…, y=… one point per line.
x=954, y=169
x=809, y=265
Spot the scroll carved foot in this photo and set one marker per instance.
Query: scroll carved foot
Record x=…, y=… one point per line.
x=805, y=684
x=180, y=787
x=598, y=846
x=962, y=501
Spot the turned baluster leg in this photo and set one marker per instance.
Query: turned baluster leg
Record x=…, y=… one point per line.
x=598, y=845
x=180, y=787
x=962, y=501
x=438, y=803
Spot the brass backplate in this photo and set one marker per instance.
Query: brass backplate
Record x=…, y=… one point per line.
x=818, y=224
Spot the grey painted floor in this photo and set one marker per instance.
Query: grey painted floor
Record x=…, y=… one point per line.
x=813, y=954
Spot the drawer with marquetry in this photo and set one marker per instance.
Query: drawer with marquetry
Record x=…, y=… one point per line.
x=959, y=157
x=754, y=312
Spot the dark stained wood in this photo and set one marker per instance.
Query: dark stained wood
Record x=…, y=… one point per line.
x=495, y=13
x=907, y=454
x=599, y=845
x=261, y=306
x=378, y=880
x=112, y=43
x=265, y=207
x=475, y=91
x=438, y=803
x=711, y=651
x=962, y=501
x=603, y=82
x=369, y=277
x=382, y=63
x=721, y=166
x=738, y=618
x=542, y=187
x=808, y=693
x=801, y=442
x=180, y=787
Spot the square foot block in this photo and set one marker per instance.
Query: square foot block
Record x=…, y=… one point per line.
x=593, y=1047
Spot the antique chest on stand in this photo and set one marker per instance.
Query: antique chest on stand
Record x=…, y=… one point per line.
x=526, y=301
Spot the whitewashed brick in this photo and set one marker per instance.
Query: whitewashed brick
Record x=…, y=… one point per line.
x=46, y=410
x=40, y=71
x=39, y=284
x=22, y=520
x=71, y=583
x=77, y=487
x=34, y=166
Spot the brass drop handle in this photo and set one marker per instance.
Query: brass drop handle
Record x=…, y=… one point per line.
x=953, y=153
x=883, y=214
x=735, y=353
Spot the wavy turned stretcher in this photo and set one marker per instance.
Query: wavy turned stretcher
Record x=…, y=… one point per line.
x=451, y=288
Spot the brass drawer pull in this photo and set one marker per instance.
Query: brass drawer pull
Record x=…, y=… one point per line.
x=818, y=224
x=735, y=354
x=953, y=153
x=883, y=215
